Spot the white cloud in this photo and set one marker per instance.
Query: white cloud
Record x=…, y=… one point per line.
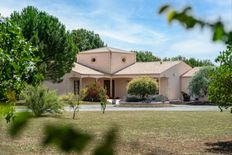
x=117, y=26
x=195, y=44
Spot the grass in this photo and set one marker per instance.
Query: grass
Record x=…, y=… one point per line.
x=140, y=132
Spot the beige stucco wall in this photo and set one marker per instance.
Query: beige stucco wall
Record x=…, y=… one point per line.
x=87, y=81
x=121, y=87
x=117, y=63
x=174, y=80
x=63, y=87
x=102, y=62
x=108, y=62
x=184, y=84
x=163, y=88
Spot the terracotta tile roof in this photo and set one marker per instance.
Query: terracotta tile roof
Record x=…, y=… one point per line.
x=147, y=68
x=81, y=69
x=191, y=72
x=105, y=49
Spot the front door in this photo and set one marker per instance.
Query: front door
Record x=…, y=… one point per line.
x=76, y=88
x=107, y=88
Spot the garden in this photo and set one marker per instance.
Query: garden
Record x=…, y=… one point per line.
x=35, y=46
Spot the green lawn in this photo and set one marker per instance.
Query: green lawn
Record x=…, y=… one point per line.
x=140, y=132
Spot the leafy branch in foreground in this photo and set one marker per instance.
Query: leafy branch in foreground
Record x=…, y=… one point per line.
x=66, y=137
x=185, y=18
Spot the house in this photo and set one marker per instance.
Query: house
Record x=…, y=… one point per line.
x=114, y=68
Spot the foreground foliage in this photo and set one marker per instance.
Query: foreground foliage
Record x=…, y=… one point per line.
x=188, y=21
x=17, y=60
x=140, y=132
x=41, y=100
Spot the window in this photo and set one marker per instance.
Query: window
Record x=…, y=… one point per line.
x=93, y=59
x=76, y=87
x=123, y=59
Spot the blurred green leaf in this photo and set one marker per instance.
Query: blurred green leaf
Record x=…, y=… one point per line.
x=66, y=138
x=171, y=16
x=218, y=32
x=107, y=148
x=188, y=8
x=19, y=123
x=164, y=8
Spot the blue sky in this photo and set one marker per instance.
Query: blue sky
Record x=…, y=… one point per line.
x=135, y=24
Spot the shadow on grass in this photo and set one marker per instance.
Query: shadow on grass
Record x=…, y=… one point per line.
x=224, y=147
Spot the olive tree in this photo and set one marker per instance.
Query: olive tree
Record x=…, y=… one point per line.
x=73, y=100
x=198, y=86
x=142, y=87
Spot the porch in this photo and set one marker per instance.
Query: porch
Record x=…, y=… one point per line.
x=116, y=87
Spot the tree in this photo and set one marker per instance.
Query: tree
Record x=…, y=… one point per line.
x=142, y=87
x=86, y=40
x=220, y=91
x=145, y=56
x=17, y=61
x=199, y=84
x=73, y=100
x=55, y=46
x=191, y=61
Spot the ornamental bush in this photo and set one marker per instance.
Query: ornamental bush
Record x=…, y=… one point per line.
x=142, y=87
x=41, y=100
x=93, y=92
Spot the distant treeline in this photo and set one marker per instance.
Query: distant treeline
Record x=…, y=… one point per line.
x=147, y=56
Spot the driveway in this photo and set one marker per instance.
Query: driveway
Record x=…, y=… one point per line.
x=173, y=108
x=113, y=108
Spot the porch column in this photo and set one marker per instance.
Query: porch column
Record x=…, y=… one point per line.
x=111, y=89
x=159, y=85
x=80, y=83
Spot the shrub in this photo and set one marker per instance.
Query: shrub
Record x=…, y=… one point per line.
x=159, y=98
x=142, y=87
x=93, y=93
x=132, y=98
x=40, y=100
